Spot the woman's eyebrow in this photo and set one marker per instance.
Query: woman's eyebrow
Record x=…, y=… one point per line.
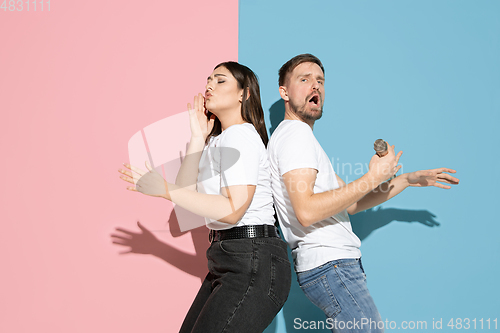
x=216, y=75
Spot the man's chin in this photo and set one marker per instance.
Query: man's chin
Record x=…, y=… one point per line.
x=314, y=114
x=308, y=114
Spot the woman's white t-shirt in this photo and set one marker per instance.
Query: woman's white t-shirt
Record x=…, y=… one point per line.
x=238, y=156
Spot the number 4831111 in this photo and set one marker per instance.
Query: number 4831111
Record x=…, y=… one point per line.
x=26, y=6
x=467, y=323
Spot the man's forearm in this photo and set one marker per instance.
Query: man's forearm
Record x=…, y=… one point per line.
x=322, y=205
x=382, y=193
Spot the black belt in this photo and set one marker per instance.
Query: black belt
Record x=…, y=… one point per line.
x=246, y=231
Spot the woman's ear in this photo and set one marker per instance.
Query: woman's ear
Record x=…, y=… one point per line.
x=241, y=95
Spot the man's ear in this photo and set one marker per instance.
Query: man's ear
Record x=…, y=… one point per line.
x=284, y=93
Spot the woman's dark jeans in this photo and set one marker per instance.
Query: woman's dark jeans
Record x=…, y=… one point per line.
x=247, y=284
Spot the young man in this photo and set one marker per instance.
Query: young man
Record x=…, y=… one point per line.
x=313, y=203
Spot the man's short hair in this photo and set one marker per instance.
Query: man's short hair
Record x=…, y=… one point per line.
x=290, y=65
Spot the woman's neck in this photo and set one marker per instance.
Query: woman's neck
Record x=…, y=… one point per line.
x=230, y=119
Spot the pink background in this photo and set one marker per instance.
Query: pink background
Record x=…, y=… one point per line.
x=75, y=84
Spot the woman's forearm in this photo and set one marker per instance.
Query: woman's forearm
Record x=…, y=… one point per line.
x=188, y=173
x=218, y=207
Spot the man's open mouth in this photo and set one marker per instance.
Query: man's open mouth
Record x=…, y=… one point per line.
x=314, y=101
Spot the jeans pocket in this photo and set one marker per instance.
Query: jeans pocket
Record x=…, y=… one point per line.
x=241, y=247
x=362, y=269
x=320, y=294
x=281, y=280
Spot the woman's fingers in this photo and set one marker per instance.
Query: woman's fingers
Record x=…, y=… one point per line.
x=128, y=232
x=125, y=172
x=195, y=103
x=128, y=179
x=119, y=237
x=201, y=103
x=134, y=169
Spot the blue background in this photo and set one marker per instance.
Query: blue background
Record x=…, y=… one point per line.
x=425, y=76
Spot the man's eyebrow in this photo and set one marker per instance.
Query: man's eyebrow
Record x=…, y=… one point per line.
x=216, y=75
x=321, y=77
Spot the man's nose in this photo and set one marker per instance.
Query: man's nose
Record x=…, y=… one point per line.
x=315, y=85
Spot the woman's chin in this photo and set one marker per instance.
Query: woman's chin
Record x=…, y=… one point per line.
x=211, y=109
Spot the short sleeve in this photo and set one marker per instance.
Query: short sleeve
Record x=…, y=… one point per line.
x=296, y=149
x=240, y=156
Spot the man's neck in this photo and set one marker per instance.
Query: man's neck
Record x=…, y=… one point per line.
x=290, y=115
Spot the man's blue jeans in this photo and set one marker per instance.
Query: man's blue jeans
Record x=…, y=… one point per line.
x=339, y=289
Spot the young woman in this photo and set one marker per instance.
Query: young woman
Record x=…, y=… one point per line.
x=225, y=178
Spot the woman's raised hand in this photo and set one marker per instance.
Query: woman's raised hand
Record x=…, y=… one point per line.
x=201, y=126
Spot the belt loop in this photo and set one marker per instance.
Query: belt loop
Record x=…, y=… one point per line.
x=210, y=236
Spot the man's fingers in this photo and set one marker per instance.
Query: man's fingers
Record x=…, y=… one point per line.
x=398, y=156
x=439, y=170
x=390, y=149
x=446, y=187
x=449, y=180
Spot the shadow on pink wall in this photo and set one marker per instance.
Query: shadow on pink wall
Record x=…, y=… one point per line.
x=145, y=242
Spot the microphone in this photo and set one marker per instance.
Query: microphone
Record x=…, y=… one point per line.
x=380, y=147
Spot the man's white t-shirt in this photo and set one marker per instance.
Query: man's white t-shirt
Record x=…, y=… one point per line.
x=238, y=156
x=294, y=146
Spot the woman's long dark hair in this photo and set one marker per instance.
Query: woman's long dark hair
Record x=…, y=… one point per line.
x=251, y=106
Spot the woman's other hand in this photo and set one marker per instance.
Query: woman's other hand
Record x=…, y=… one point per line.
x=150, y=183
